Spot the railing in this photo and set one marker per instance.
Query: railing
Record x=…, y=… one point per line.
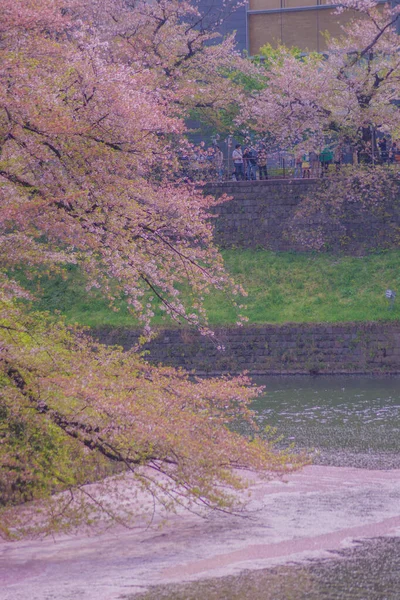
x=209, y=169
x=280, y=165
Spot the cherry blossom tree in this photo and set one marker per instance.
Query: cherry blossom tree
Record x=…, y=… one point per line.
x=93, y=100
x=347, y=92
x=332, y=216
x=349, y=96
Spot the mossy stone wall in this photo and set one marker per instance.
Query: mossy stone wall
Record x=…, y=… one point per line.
x=274, y=349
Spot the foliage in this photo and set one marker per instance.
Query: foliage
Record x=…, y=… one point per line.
x=269, y=55
x=351, y=89
x=347, y=97
x=221, y=121
x=224, y=121
x=353, y=193
x=93, y=99
x=72, y=408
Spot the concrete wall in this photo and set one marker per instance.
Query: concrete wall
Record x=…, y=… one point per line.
x=271, y=349
x=260, y=214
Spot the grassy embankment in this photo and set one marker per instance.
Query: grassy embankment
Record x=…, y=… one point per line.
x=284, y=287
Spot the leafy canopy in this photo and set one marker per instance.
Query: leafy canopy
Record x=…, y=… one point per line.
x=93, y=101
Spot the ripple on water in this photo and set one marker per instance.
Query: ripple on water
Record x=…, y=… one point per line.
x=348, y=421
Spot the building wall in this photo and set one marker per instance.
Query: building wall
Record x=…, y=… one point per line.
x=300, y=23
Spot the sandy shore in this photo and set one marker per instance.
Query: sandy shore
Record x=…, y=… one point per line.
x=314, y=511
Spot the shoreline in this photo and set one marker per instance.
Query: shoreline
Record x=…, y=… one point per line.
x=309, y=514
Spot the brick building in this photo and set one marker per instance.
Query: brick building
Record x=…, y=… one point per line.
x=300, y=23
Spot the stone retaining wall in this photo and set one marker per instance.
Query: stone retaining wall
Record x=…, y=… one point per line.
x=261, y=214
x=269, y=349
x=257, y=216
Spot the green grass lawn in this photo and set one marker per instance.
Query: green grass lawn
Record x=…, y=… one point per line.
x=282, y=287
x=289, y=287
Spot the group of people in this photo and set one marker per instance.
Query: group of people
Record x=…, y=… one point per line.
x=389, y=151
x=251, y=162
x=248, y=161
x=311, y=164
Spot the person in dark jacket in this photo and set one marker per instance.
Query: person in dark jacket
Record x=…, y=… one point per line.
x=252, y=158
x=325, y=158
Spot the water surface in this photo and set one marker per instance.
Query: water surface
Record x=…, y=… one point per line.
x=348, y=421
x=342, y=421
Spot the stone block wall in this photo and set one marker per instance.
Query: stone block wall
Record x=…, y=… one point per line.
x=259, y=214
x=274, y=349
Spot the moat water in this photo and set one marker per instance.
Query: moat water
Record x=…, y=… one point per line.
x=347, y=421
x=344, y=422
x=330, y=531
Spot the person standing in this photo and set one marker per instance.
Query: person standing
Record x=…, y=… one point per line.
x=252, y=163
x=393, y=153
x=246, y=155
x=337, y=156
x=237, y=157
x=314, y=163
x=262, y=159
x=325, y=158
x=219, y=163
x=297, y=165
x=383, y=148
x=305, y=166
